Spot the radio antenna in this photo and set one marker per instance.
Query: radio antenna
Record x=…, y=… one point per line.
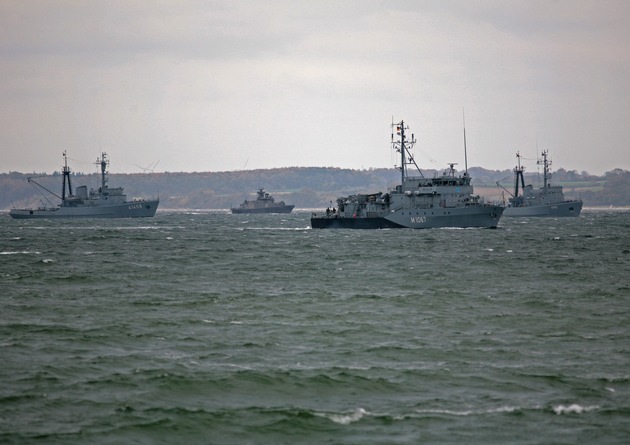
x=465, y=151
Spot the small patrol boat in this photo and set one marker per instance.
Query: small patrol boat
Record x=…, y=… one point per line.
x=104, y=202
x=446, y=200
x=547, y=200
x=264, y=203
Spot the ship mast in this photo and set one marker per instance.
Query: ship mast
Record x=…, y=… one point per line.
x=403, y=146
x=518, y=173
x=546, y=163
x=66, y=177
x=102, y=161
x=403, y=164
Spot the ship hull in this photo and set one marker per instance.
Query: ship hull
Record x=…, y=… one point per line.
x=136, y=209
x=480, y=217
x=353, y=223
x=277, y=209
x=560, y=209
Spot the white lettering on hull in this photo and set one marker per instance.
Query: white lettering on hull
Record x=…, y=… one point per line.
x=418, y=220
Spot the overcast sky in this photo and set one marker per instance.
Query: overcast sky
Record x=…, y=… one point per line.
x=233, y=85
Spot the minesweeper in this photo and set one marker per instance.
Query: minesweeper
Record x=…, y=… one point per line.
x=104, y=202
x=547, y=200
x=445, y=200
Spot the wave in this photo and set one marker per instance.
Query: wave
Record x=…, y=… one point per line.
x=344, y=418
x=574, y=408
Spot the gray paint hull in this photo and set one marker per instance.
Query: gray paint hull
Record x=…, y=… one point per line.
x=275, y=209
x=135, y=209
x=560, y=209
x=464, y=217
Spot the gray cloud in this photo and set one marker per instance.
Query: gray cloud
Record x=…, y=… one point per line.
x=213, y=85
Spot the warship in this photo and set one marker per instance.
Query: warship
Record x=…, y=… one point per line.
x=264, y=203
x=547, y=200
x=445, y=200
x=104, y=202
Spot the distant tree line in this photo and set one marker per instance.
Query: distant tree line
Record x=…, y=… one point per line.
x=306, y=187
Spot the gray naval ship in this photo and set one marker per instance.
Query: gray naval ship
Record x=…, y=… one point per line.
x=104, y=202
x=445, y=200
x=264, y=203
x=547, y=200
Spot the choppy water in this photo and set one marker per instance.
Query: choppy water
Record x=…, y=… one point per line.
x=210, y=328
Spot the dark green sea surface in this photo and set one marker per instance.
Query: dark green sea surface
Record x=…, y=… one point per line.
x=211, y=328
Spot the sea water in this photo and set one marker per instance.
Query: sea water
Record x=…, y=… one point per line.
x=212, y=328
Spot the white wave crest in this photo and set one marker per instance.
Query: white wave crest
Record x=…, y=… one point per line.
x=345, y=419
x=573, y=409
x=500, y=409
